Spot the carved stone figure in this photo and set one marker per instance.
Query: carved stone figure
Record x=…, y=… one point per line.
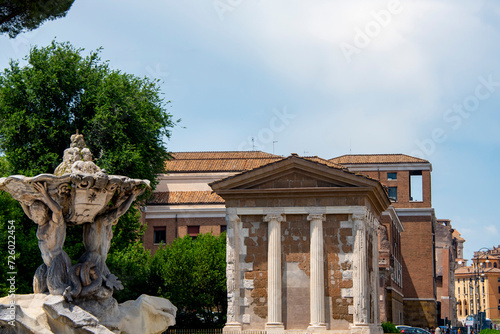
x=384, y=238
x=51, y=233
x=79, y=192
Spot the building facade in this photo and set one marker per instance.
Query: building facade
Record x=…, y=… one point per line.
x=477, y=287
x=447, y=251
x=302, y=248
x=408, y=180
x=185, y=204
x=391, y=268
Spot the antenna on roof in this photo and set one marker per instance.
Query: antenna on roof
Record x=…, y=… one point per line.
x=274, y=141
x=253, y=144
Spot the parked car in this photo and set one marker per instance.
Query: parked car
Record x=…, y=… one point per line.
x=413, y=330
x=402, y=326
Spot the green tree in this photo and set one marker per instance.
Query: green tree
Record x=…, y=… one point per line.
x=192, y=275
x=59, y=90
x=17, y=16
x=132, y=265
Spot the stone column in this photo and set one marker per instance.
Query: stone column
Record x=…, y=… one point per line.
x=274, y=316
x=360, y=279
x=317, y=283
x=375, y=256
x=233, y=274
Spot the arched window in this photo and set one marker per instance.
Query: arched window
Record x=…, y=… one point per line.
x=494, y=264
x=489, y=264
x=460, y=308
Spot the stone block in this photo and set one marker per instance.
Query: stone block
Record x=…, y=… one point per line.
x=246, y=318
x=347, y=293
x=248, y=284
x=47, y=314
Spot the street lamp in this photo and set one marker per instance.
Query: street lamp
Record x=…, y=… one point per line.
x=477, y=276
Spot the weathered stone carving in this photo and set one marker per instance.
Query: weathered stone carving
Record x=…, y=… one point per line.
x=384, y=238
x=78, y=193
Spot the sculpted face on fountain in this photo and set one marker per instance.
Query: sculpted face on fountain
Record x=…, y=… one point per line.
x=78, y=192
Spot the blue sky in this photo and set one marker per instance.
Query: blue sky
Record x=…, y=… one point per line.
x=319, y=78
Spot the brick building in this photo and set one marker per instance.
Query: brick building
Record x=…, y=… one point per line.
x=408, y=180
x=390, y=268
x=184, y=203
x=447, y=251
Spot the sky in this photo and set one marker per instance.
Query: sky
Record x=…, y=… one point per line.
x=318, y=77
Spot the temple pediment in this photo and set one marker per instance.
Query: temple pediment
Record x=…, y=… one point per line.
x=297, y=177
x=294, y=172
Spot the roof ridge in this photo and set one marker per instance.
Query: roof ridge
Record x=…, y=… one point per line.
x=377, y=158
x=218, y=152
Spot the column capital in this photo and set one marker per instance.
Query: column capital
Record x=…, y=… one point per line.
x=276, y=217
x=233, y=218
x=315, y=216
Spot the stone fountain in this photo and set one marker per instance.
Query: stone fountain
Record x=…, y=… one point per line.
x=78, y=298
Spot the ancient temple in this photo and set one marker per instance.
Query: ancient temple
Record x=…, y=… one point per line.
x=302, y=248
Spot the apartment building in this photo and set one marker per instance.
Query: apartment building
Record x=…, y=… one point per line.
x=477, y=287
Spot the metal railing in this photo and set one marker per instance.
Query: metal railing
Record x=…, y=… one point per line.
x=194, y=331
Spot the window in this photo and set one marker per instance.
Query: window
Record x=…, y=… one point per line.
x=393, y=194
x=392, y=176
x=494, y=264
x=193, y=231
x=416, y=186
x=223, y=228
x=159, y=234
x=458, y=290
x=499, y=289
x=498, y=280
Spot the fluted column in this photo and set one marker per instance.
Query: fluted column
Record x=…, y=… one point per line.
x=360, y=279
x=274, y=316
x=317, y=283
x=233, y=274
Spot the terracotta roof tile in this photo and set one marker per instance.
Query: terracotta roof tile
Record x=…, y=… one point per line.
x=185, y=197
x=235, y=161
x=210, y=155
x=324, y=162
x=376, y=159
x=471, y=270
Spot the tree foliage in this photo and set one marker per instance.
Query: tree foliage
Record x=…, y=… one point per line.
x=192, y=275
x=17, y=16
x=132, y=265
x=122, y=117
x=59, y=91
x=389, y=327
